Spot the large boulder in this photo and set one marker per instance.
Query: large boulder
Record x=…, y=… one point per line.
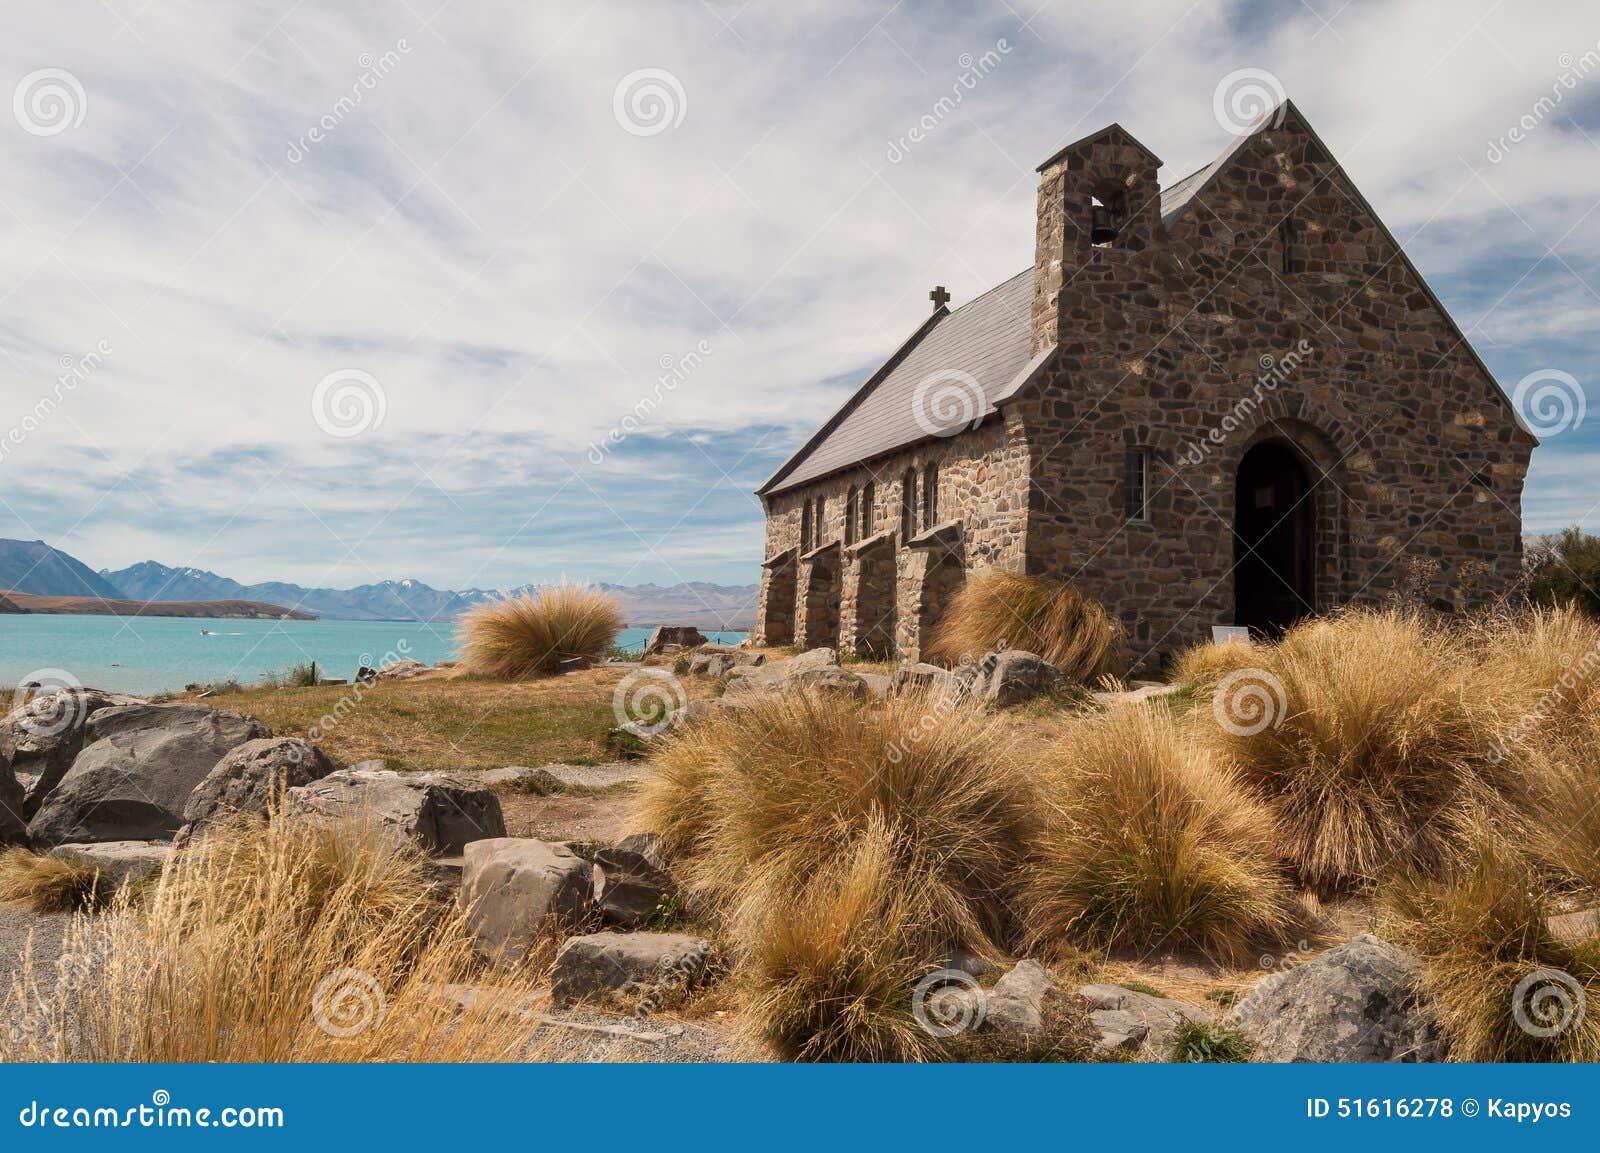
x=1014, y=676
x=818, y=668
x=1357, y=1002
x=628, y=966
x=138, y=766
x=1134, y=1021
x=634, y=879
x=121, y=861
x=716, y=661
x=673, y=638
x=250, y=777
x=42, y=737
x=1016, y=1003
x=436, y=812
x=514, y=889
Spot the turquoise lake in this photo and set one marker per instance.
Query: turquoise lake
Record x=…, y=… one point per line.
x=157, y=654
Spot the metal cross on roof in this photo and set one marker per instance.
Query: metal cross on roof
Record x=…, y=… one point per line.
x=939, y=297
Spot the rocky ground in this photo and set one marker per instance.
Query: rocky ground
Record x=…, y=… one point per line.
x=116, y=780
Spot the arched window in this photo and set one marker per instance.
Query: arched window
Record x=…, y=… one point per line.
x=805, y=527
x=850, y=518
x=821, y=521
x=908, y=505
x=930, y=495
x=1286, y=246
x=868, y=496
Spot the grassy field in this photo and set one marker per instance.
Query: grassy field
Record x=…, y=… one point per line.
x=443, y=722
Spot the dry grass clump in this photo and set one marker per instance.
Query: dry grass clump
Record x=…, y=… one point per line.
x=1502, y=987
x=752, y=799
x=1369, y=734
x=276, y=941
x=562, y=626
x=1151, y=841
x=1046, y=617
x=845, y=850
x=1546, y=663
x=46, y=884
x=830, y=976
x=1205, y=665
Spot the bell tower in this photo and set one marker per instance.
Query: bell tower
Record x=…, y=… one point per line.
x=1099, y=202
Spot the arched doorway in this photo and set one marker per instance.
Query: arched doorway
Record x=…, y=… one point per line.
x=1274, y=538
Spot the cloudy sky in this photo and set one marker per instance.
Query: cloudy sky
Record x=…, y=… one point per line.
x=352, y=291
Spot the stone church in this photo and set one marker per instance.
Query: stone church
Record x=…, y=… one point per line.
x=1230, y=400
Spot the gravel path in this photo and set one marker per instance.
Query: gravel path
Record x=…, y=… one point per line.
x=596, y=776
x=47, y=930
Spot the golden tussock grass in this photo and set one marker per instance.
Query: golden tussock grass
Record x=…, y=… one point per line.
x=1369, y=734
x=276, y=941
x=1048, y=618
x=559, y=627
x=1151, y=841
x=830, y=974
x=1490, y=965
x=844, y=851
x=752, y=799
x=1204, y=665
x=46, y=884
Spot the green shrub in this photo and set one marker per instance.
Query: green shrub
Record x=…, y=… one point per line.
x=1565, y=569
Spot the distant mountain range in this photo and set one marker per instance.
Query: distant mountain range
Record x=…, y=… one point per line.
x=35, y=567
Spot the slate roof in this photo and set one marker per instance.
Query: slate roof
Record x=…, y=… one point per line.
x=987, y=339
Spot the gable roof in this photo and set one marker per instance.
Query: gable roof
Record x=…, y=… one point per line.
x=987, y=338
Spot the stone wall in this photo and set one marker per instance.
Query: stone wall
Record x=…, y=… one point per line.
x=1198, y=343
x=983, y=478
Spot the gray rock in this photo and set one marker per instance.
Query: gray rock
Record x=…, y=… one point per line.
x=1016, y=1003
x=919, y=678
x=632, y=966
x=120, y=860
x=682, y=636
x=634, y=879
x=13, y=827
x=830, y=680
x=41, y=739
x=1112, y=1007
x=515, y=889
x=1574, y=928
x=877, y=684
x=1357, y=1002
x=1120, y=1031
x=1014, y=676
x=820, y=658
x=439, y=813
x=137, y=768
x=250, y=777
x=716, y=661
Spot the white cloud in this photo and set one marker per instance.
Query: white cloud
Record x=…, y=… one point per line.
x=483, y=237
